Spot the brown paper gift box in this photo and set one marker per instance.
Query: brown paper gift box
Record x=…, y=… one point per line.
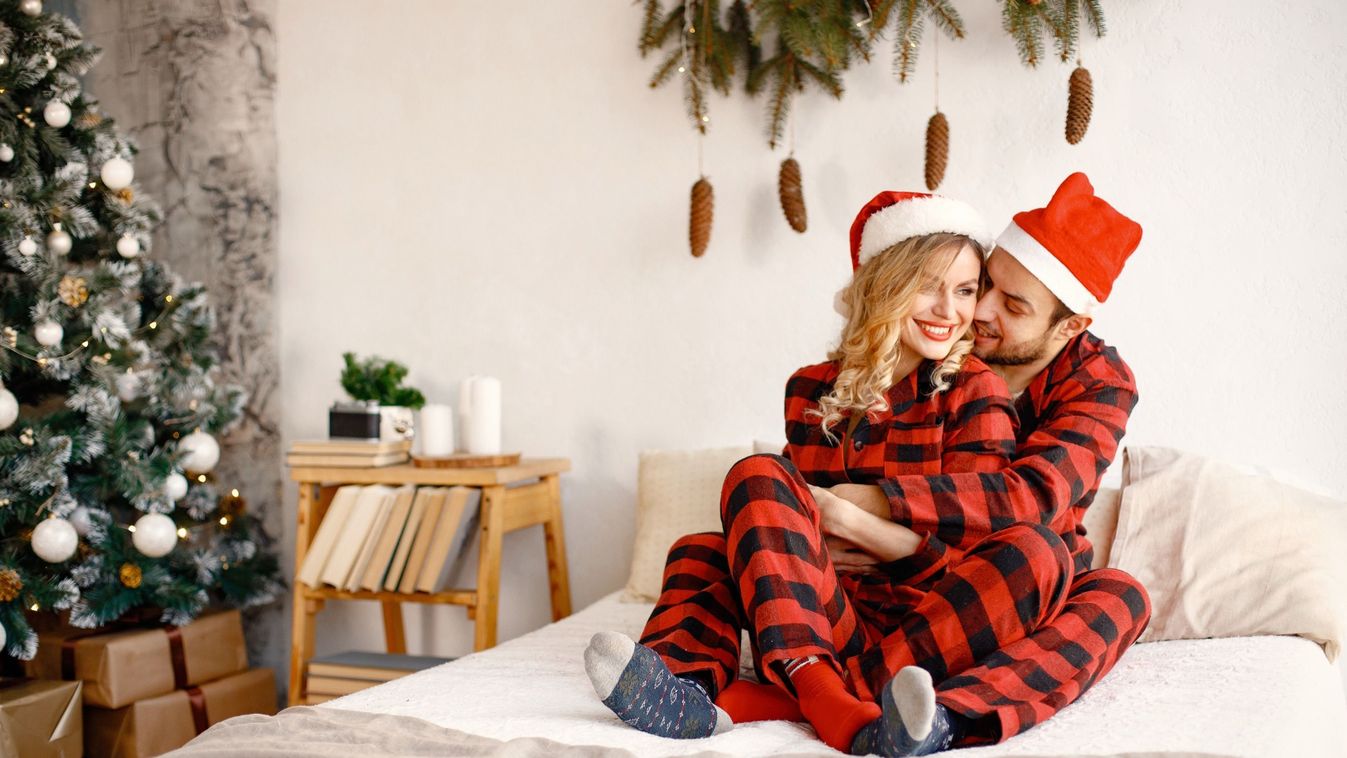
x=41, y=719
x=159, y=724
x=119, y=668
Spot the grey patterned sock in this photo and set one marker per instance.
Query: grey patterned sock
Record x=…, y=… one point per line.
x=635, y=684
x=912, y=722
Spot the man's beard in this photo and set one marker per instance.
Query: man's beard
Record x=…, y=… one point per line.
x=1016, y=355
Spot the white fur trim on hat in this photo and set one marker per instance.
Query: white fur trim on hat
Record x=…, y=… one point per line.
x=1043, y=264
x=918, y=217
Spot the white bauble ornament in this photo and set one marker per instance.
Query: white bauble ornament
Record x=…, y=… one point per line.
x=175, y=486
x=27, y=246
x=81, y=520
x=9, y=408
x=202, y=452
x=31, y=7
x=56, y=114
x=48, y=333
x=4, y=59
x=58, y=241
x=117, y=173
x=6, y=153
x=128, y=246
x=3, y=637
x=55, y=540
x=51, y=64
x=155, y=535
x=127, y=387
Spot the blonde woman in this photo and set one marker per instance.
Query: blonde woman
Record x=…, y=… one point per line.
x=900, y=395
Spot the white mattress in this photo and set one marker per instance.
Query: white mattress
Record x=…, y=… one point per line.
x=1251, y=696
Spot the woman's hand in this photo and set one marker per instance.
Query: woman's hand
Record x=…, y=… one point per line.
x=836, y=516
x=847, y=557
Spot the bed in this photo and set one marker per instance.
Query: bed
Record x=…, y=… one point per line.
x=1245, y=577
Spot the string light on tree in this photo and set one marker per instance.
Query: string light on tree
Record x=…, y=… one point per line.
x=154, y=535
x=51, y=63
x=117, y=174
x=54, y=540
x=56, y=114
x=58, y=241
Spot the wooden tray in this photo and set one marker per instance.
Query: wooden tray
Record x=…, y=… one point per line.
x=466, y=460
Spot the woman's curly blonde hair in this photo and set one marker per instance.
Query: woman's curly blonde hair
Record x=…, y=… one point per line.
x=879, y=298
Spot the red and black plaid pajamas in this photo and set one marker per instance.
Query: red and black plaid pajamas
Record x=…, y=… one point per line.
x=1071, y=419
x=770, y=572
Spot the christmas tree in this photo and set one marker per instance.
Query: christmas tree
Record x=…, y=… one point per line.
x=108, y=400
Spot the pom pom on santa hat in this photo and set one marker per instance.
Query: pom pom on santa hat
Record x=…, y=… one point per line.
x=892, y=217
x=1076, y=246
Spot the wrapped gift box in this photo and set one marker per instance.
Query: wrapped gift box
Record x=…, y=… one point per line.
x=122, y=667
x=159, y=724
x=40, y=719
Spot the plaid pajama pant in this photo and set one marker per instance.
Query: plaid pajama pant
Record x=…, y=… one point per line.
x=1003, y=627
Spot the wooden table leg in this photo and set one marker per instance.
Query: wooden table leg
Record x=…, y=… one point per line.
x=554, y=538
x=488, y=567
x=395, y=639
x=301, y=623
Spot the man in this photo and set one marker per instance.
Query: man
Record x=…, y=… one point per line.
x=1073, y=395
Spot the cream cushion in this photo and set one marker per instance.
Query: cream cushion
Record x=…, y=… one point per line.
x=677, y=493
x=1224, y=553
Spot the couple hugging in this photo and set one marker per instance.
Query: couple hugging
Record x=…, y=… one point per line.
x=912, y=570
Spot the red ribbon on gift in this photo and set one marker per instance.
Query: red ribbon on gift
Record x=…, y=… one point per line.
x=198, y=702
x=177, y=656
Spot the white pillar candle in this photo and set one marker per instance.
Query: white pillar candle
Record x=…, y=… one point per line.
x=465, y=412
x=484, y=418
x=435, y=430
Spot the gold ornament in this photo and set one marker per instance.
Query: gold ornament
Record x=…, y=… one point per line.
x=130, y=575
x=791, y=192
x=699, y=222
x=1079, y=105
x=26, y=437
x=88, y=120
x=233, y=506
x=73, y=290
x=10, y=585
x=937, y=150
x=126, y=195
x=11, y=336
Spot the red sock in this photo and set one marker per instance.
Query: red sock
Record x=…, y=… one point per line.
x=836, y=714
x=749, y=701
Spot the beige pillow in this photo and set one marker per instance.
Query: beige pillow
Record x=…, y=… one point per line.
x=677, y=493
x=1225, y=553
x=1100, y=522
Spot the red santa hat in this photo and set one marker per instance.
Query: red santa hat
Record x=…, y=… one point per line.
x=1076, y=246
x=892, y=217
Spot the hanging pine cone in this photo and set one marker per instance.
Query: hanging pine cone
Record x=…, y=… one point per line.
x=10, y=585
x=789, y=188
x=937, y=150
x=703, y=208
x=1079, y=105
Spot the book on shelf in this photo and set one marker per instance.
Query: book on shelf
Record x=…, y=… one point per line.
x=381, y=557
x=354, y=533
x=349, y=447
x=374, y=667
x=327, y=685
x=366, y=557
x=424, y=534
x=394, y=575
x=455, y=527
x=347, y=461
x=329, y=530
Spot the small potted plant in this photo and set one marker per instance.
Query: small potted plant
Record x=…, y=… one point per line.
x=375, y=386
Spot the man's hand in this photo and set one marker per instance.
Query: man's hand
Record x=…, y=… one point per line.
x=846, y=557
x=867, y=497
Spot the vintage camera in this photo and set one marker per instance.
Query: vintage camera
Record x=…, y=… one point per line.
x=367, y=420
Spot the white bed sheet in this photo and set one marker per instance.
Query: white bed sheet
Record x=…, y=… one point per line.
x=1250, y=696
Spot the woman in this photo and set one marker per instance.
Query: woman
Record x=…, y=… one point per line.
x=900, y=395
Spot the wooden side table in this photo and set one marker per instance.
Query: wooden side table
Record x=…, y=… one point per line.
x=513, y=497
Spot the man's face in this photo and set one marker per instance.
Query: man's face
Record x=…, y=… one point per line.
x=1013, y=321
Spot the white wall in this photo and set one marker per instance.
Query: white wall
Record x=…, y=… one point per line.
x=484, y=188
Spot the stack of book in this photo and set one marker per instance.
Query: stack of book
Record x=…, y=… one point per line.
x=332, y=676
x=377, y=538
x=349, y=453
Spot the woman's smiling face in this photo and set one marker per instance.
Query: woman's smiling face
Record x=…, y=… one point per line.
x=943, y=308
